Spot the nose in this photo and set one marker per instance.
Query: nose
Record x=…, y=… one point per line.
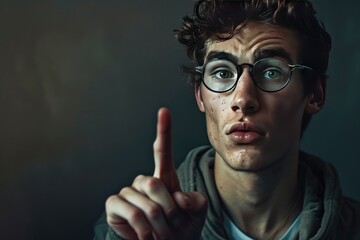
x=245, y=95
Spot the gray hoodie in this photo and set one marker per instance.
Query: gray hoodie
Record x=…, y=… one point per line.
x=326, y=213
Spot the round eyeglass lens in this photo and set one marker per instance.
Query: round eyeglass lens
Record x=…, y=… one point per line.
x=220, y=75
x=271, y=74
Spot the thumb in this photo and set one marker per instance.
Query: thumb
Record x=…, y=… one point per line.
x=163, y=154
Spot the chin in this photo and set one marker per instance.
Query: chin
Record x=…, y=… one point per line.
x=248, y=161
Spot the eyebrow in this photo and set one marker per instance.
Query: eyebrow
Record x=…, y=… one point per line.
x=219, y=55
x=258, y=54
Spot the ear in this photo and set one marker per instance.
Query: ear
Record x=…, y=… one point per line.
x=316, y=99
x=199, y=99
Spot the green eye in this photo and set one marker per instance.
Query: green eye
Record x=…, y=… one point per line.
x=272, y=74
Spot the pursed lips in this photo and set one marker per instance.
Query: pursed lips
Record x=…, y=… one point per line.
x=244, y=127
x=244, y=132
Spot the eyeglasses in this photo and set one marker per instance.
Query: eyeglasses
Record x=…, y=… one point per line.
x=268, y=74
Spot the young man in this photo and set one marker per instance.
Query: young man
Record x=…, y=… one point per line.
x=260, y=74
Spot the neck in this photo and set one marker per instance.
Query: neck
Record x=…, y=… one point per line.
x=261, y=203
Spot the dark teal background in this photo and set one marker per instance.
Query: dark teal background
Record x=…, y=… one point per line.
x=80, y=85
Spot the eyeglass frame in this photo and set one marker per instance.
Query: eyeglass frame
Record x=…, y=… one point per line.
x=200, y=69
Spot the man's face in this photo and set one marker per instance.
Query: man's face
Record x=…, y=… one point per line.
x=251, y=129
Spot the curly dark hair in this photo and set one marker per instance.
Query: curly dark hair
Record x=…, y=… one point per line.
x=221, y=19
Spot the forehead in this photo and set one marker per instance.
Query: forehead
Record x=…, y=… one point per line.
x=255, y=37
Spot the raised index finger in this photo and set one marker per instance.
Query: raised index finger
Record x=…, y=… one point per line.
x=163, y=154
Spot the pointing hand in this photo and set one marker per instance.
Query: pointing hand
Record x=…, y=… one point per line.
x=154, y=207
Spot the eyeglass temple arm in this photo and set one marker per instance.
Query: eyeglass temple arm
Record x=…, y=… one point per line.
x=293, y=66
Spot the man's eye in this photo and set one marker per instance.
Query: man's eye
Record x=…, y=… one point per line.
x=272, y=74
x=223, y=74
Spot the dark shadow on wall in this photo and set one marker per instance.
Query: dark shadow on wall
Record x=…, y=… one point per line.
x=80, y=85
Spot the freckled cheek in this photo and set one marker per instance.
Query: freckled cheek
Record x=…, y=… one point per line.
x=215, y=106
x=224, y=105
x=215, y=117
x=212, y=122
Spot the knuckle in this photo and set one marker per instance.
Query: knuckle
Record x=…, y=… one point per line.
x=125, y=190
x=135, y=215
x=152, y=184
x=138, y=179
x=172, y=211
x=154, y=211
x=160, y=149
x=110, y=201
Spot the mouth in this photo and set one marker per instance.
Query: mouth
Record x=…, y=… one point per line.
x=244, y=127
x=244, y=133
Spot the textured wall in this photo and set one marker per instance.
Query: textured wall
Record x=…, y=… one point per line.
x=80, y=85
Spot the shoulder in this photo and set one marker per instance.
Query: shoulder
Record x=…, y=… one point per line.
x=349, y=219
x=351, y=209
